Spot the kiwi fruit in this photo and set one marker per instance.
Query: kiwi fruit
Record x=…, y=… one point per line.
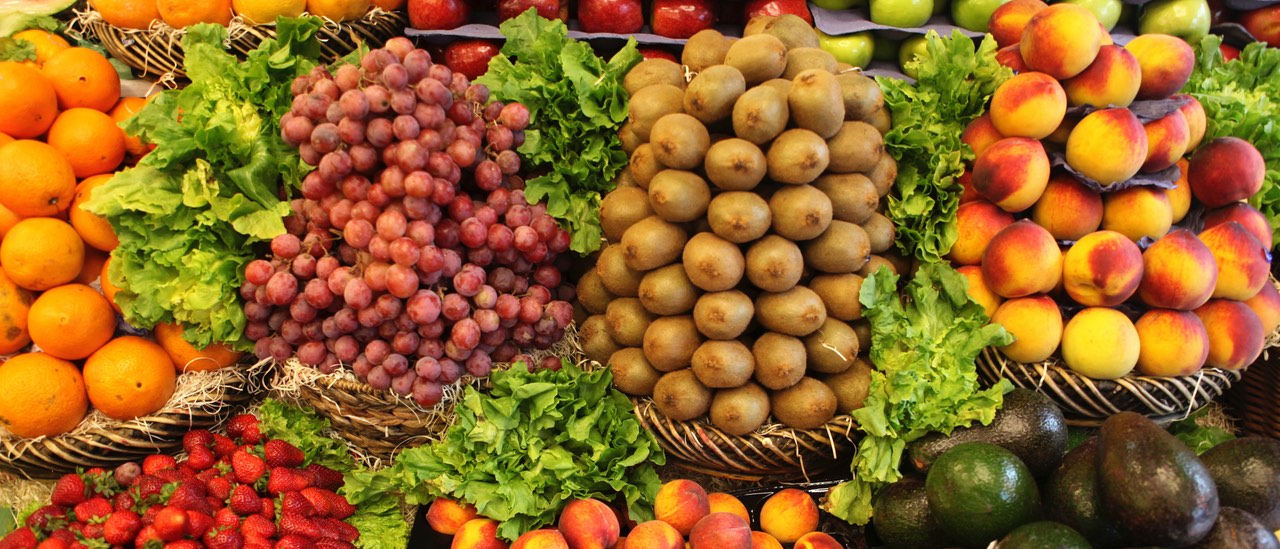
x=624, y=178
x=723, y=315
x=850, y=386
x=759, y=57
x=842, y=66
x=680, y=396
x=616, y=277
x=627, y=321
x=832, y=348
x=883, y=174
x=592, y=293
x=842, y=248
x=880, y=232
x=713, y=263
x=780, y=360
x=628, y=138
x=793, y=31
x=669, y=342
x=632, y=374
x=861, y=94
x=643, y=165
x=678, y=195
x=651, y=72
x=667, y=291
x=901, y=263
x=594, y=338
x=800, y=212
x=760, y=114
x=881, y=120
x=805, y=58
x=815, y=102
x=774, y=264
x=650, y=104
x=651, y=243
x=781, y=84
x=723, y=364
x=797, y=312
x=839, y=294
x=757, y=24
x=738, y=216
x=679, y=141
x=853, y=197
x=874, y=263
x=863, y=328
x=806, y=405
x=711, y=94
x=621, y=208
x=740, y=410
x=797, y=156
x=857, y=147
x=734, y=164
x=704, y=49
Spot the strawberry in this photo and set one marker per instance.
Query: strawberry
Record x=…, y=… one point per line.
x=147, y=486
x=200, y=459
x=208, y=474
x=149, y=515
x=245, y=500
x=339, y=507
x=294, y=541
x=92, y=510
x=22, y=538
x=189, y=496
x=225, y=518
x=324, y=477
x=95, y=471
x=44, y=519
x=198, y=523
x=284, y=480
x=257, y=543
x=247, y=467
x=123, y=501
x=219, y=487
x=294, y=503
x=300, y=525
x=327, y=543
x=336, y=529
x=282, y=454
x=215, y=503
x=268, y=508
x=237, y=424
x=158, y=462
x=63, y=534
x=223, y=445
x=251, y=435
x=93, y=530
x=53, y=543
x=258, y=526
x=223, y=539
x=319, y=500
x=168, y=475
x=121, y=527
x=196, y=438
x=183, y=544
x=171, y=523
x=69, y=491
x=147, y=535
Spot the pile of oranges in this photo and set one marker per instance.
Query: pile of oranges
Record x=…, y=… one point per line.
x=59, y=141
x=140, y=14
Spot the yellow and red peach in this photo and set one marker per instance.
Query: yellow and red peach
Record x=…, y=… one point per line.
x=1067, y=208
x=1102, y=269
x=1180, y=195
x=761, y=540
x=1110, y=81
x=589, y=524
x=1243, y=213
x=1061, y=40
x=655, y=534
x=1178, y=272
x=1235, y=333
x=446, y=516
x=788, y=514
x=979, y=291
x=976, y=223
x=1030, y=104
x=1012, y=173
x=1100, y=343
x=1243, y=265
x=1167, y=139
x=1137, y=212
x=1225, y=170
x=967, y=192
x=817, y=540
x=726, y=503
x=1036, y=325
x=1266, y=304
x=1166, y=63
x=544, y=538
x=721, y=531
x=1008, y=20
x=1011, y=56
x=980, y=134
x=1193, y=111
x=478, y=533
x=1060, y=135
x=1173, y=343
x=1108, y=145
x=1022, y=259
x=681, y=503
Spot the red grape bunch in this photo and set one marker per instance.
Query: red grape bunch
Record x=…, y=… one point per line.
x=413, y=256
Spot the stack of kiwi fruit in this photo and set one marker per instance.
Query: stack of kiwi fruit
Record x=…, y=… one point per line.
x=739, y=237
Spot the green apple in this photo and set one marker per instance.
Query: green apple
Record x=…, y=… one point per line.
x=974, y=14
x=839, y=4
x=911, y=49
x=854, y=49
x=1107, y=11
x=1186, y=19
x=904, y=14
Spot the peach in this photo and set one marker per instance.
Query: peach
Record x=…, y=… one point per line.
x=1243, y=265
x=1173, y=343
x=980, y=134
x=589, y=524
x=1108, y=145
x=1166, y=63
x=817, y=540
x=1100, y=343
x=761, y=540
x=721, y=531
x=478, y=533
x=1266, y=304
x=1193, y=111
x=1225, y=170
x=1180, y=195
x=1178, y=272
x=1110, y=81
x=1061, y=40
x=976, y=223
x=446, y=516
x=1011, y=56
x=1067, y=208
x=681, y=503
x=1008, y=20
x=1031, y=104
x=1241, y=212
x=1137, y=212
x=1167, y=139
x=655, y=534
x=1022, y=259
x=726, y=503
x=1036, y=325
x=967, y=192
x=1235, y=333
x=545, y=538
x=1012, y=173
x=1102, y=269
x=789, y=514
x=978, y=290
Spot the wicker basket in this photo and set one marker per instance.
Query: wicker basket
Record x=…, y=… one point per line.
x=774, y=451
x=1255, y=400
x=157, y=51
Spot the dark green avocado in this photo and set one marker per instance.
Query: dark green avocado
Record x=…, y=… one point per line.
x=1247, y=472
x=1027, y=424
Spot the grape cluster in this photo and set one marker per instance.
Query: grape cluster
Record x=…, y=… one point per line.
x=412, y=255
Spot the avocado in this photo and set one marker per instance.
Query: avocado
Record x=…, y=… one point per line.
x=1238, y=529
x=902, y=519
x=978, y=492
x=1027, y=424
x=1155, y=488
x=1071, y=496
x=1043, y=534
x=1247, y=472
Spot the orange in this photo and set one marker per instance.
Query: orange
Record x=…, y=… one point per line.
x=258, y=12
x=28, y=102
x=36, y=180
x=90, y=139
x=41, y=252
x=5, y=139
x=43, y=395
x=71, y=321
x=181, y=13
x=129, y=14
x=45, y=42
x=186, y=358
x=83, y=78
x=109, y=290
x=125, y=108
x=7, y=220
x=338, y=10
x=129, y=377
x=15, y=302
x=94, y=229
x=92, y=269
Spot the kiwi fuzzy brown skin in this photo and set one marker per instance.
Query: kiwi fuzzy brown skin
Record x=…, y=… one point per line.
x=781, y=84
x=759, y=57
x=883, y=174
x=740, y=410
x=643, y=165
x=723, y=364
x=651, y=243
x=594, y=338
x=805, y=58
x=651, y=72
x=680, y=141
x=843, y=248
x=881, y=119
x=632, y=374
x=780, y=360
x=856, y=147
x=760, y=114
x=705, y=48
x=853, y=197
x=874, y=263
x=628, y=138
x=679, y=196
x=650, y=104
x=734, y=164
x=839, y=294
x=592, y=294
x=628, y=321
x=680, y=396
x=806, y=405
x=797, y=156
x=621, y=208
x=757, y=24
x=832, y=348
x=815, y=102
x=739, y=217
x=796, y=312
x=862, y=327
x=793, y=31
x=667, y=291
x=774, y=264
x=723, y=315
x=712, y=93
x=861, y=94
x=880, y=233
x=850, y=386
x=713, y=263
x=624, y=178
x=800, y=212
x=619, y=279
x=669, y=342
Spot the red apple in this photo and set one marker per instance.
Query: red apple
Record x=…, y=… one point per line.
x=1264, y=24
x=682, y=18
x=756, y=8
x=547, y=9
x=652, y=52
x=437, y=14
x=615, y=16
x=470, y=57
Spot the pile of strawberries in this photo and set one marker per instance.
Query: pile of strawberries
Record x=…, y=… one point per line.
x=238, y=491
